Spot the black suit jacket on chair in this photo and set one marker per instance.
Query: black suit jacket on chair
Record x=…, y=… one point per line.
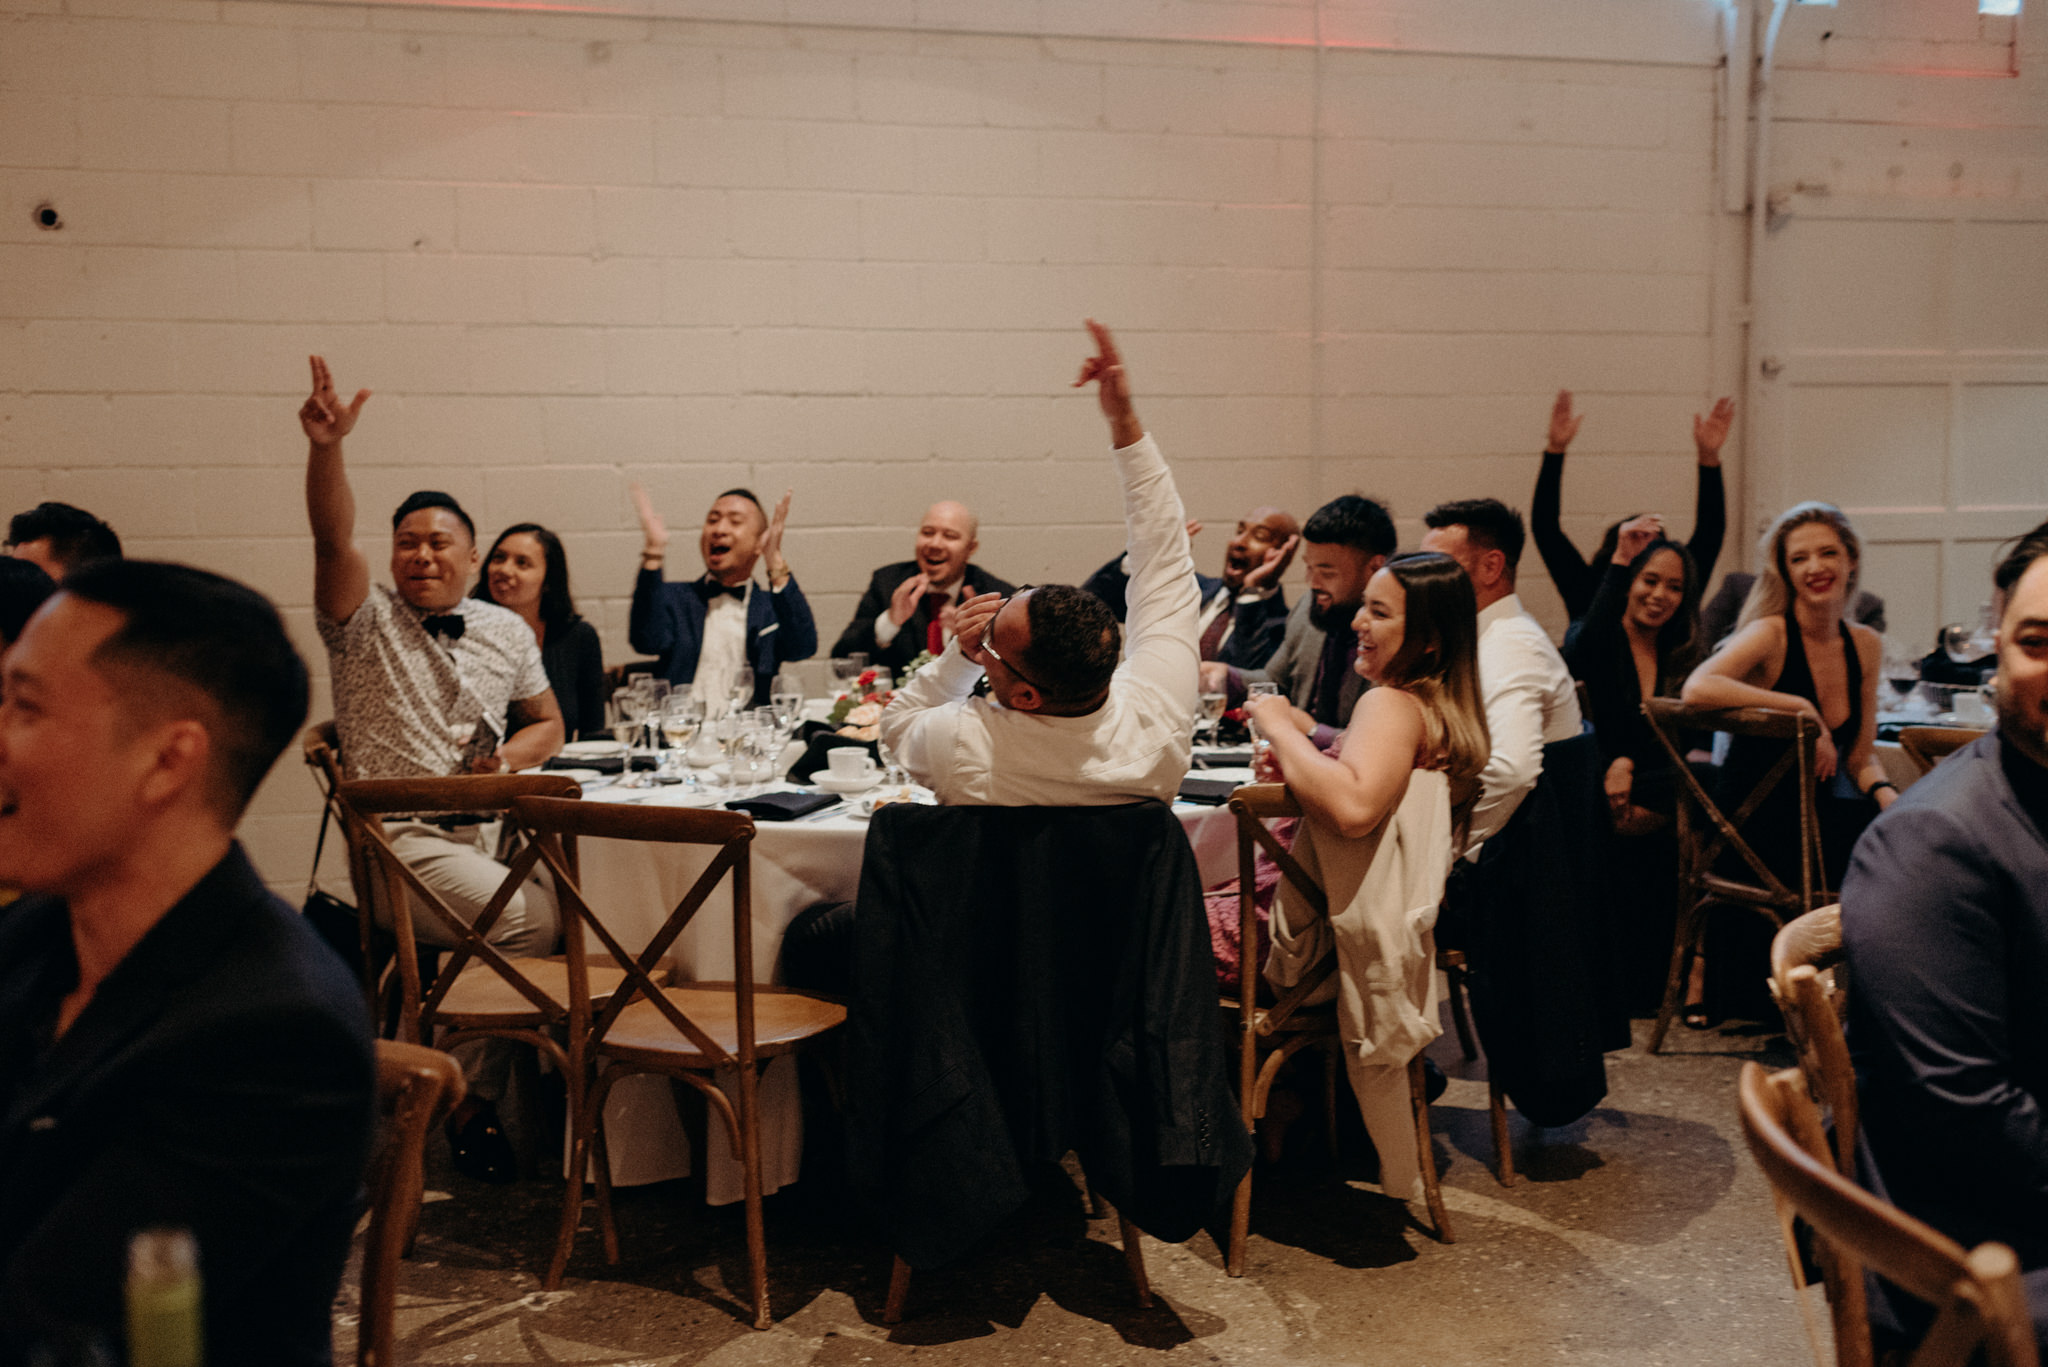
x=1029, y=980
x=909, y=641
x=221, y=1079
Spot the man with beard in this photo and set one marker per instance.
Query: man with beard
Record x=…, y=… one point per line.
x=705, y=630
x=1344, y=544
x=1244, y=613
x=1945, y=925
x=909, y=606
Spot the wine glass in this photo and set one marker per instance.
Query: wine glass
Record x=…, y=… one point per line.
x=1212, y=714
x=1901, y=670
x=680, y=720
x=740, y=694
x=1261, y=745
x=786, y=697
x=628, y=712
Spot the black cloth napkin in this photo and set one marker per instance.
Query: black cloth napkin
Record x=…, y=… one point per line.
x=1224, y=759
x=781, y=806
x=603, y=764
x=1213, y=792
x=819, y=744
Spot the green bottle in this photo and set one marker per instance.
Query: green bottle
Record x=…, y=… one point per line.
x=163, y=1300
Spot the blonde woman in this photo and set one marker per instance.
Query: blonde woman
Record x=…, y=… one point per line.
x=1793, y=651
x=1383, y=819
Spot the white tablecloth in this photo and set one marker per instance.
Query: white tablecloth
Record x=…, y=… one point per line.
x=796, y=864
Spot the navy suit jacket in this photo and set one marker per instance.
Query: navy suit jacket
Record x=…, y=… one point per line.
x=221, y=1079
x=1259, y=628
x=909, y=641
x=1945, y=925
x=667, y=621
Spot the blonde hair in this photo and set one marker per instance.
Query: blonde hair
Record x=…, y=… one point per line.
x=1438, y=665
x=1770, y=595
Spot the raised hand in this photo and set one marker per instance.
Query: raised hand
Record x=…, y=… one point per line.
x=971, y=620
x=1635, y=535
x=771, y=540
x=909, y=593
x=1711, y=432
x=1266, y=571
x=1107, y=367
x=653, y=531
x=323, y=416
x=1564, y=425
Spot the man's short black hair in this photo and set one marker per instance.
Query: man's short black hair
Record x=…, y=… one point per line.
x=1488, y=523
x=1073, y=648
x=1353, y=521
x=748, y=495
x=75, y=535
x=23, y=587
x=220, y=638
x=432, y=498
x=2020, y=559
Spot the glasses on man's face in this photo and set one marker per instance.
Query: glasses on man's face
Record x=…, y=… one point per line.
x=988, y=645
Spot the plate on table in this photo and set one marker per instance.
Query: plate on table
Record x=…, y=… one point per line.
x=591, y=749
x=845, y=787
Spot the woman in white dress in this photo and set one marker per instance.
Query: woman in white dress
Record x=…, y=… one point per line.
x=1383, y=820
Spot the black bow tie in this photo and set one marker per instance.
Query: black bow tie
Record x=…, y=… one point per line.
x=712, y=588
x=448, y=624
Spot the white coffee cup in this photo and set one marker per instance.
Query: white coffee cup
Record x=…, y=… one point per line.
x=1971, y=707
x=849, y=764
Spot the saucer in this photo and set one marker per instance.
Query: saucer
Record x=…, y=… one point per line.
x=846, y=786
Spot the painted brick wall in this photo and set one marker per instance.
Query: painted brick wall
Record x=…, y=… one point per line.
x=846, y=250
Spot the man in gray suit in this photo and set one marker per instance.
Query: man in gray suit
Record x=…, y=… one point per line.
x=1343, y=545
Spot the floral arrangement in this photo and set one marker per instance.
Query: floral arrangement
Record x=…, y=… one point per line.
x=857, y=713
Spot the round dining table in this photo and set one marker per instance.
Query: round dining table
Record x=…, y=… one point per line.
x=633, y=886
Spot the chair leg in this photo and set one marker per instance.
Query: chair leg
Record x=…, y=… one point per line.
x=1467, y=1045
x=1240, y=1226
x=1684, y=946
x=1425, y=1150
x=899, y=1292
x=1134, y=1258
x=757, y=1236
x=601, y=1167
x=1503, y=1150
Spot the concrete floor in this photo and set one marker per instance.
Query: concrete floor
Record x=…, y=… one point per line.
x=1642, y=1235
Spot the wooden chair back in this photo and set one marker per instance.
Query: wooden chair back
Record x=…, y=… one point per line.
x=366, y=802
x=416, y=1089
x=1977, y=1295
x=1809, y=982
x=1930, y=745
x=320, y=747
x=554, y=821
x=1289, y=1025
x=1707, y=829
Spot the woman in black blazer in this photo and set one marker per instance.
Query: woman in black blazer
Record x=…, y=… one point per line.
x=528, y=573
x=1638, y=639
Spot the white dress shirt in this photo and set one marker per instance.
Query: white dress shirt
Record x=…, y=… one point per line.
x=724, y=649
x=1531, y=701
x=972, y=750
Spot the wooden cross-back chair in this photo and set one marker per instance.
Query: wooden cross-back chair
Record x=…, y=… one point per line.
x=1810, y=984
x=1290, y=1025
x=320, y=747
x=478, y=990
x=1928, y=746
x=416, y=1088
x=696, y=1033
x=1706, y=831
x=1978, y=1298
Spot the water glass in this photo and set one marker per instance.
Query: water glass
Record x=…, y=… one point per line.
x=680, y=721
x=740, y=694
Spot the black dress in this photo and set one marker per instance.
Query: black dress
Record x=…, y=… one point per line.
x=1643, y=869
x=574, y=661
x=1739, y=944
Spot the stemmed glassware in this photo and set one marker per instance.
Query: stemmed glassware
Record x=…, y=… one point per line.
x=680, y=719
x=740, y=696
x=786, y=697
x=1261, y=745
x=1211, y=715
x=628, y=716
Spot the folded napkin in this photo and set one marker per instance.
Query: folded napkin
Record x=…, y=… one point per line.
x=1212, y=792
x=1223, y=759
x=782, y=806
x=603, y=764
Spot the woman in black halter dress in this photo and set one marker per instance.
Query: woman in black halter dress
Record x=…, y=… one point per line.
x=1792, y=651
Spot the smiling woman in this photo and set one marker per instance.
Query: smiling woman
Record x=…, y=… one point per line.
x=528, y=571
